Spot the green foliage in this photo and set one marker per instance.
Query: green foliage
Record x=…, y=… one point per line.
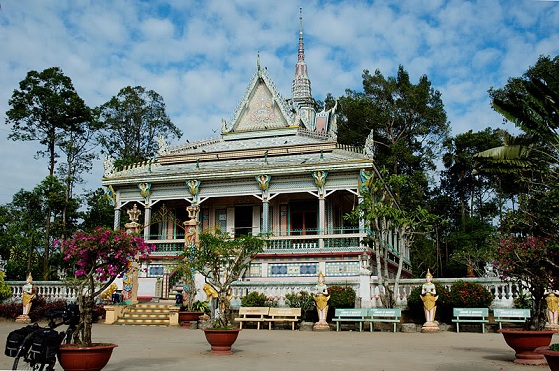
x=444, y=308
x=253, y=299
x=222, y=260
x=99, y=212
x=523, y=301
x=302, y=300
x=201, y=306
x=554, y=347
x=5, y=289
x=341, y=296
x=470, y=295
x=131, y=122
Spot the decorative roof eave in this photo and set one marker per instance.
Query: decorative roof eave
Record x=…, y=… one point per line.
x=282, y=105
x=155, y=178
x=247, y=153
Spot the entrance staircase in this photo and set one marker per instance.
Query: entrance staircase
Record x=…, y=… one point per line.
x=146, y=314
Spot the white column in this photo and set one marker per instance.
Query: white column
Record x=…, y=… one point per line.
x=147, y=222
x=117, y=219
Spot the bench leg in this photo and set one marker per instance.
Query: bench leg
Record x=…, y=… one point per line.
x=270, y=325
x=394, y=327
x=457, y=327
x=483, y=328
x=337, y=326
x=371, y=326
x=241, y=325
x=292, y=326
x=360, y=326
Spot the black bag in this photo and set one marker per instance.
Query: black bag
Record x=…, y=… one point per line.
x=15, y=339
x=45, y=346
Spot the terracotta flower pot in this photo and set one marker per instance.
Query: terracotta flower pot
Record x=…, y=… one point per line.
x=185, y=317
x=93, y=358
x=525, y=342
x=221, y=340
x=551, y=356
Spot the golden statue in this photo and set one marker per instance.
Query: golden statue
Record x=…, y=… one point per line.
x=28, y=295
x=429, y=297
x=321, y=299
x=552, y=300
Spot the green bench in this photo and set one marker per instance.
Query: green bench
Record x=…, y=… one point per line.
x=510, y=315
x=350, y=315
x=383, y=315
x=470, y=315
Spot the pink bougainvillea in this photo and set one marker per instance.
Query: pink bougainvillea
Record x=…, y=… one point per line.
x=99, y=257
x=104, y=253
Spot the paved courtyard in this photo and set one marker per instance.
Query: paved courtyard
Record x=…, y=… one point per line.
x=175, y=348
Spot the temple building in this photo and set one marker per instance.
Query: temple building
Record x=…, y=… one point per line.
x=276, y=168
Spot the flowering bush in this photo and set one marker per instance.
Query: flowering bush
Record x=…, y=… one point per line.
x=99, y=257
x=530, y=262
x=469, y=295
x=341, y=297
x=444, y=309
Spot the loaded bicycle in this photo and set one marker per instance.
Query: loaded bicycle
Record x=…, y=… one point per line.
x=34, y=347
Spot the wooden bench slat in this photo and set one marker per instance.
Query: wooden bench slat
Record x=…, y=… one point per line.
x=349, y=315
x=252, y=314
x=391, y=315
x=283, y=315
x=470, y=315
x=510, y=315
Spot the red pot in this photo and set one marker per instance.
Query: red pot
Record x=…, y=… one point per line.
x=221, y=340
x=525, y=343
x=551, y=356
x=93, y=358
x=185, y=317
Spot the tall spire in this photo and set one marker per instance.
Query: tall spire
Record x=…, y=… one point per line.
x=301, y=88
x=301, y=54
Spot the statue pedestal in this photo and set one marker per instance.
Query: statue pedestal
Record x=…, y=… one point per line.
x=552, y=326
x=23, y=318
x=321, y=326
x=430, y=327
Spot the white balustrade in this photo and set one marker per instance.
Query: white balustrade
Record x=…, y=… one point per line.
x=50, y=290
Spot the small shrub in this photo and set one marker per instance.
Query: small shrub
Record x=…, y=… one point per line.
x=201, y=306
x=10, y=310
x=272, y=302
x=305, y=301
x=444, y=309
x=470, y=295
x=5, y=289
x=523, y=301
x=341, y=297
x=253, y=299
x=554, y=347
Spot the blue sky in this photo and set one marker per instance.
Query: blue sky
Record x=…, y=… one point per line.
x=200, y=55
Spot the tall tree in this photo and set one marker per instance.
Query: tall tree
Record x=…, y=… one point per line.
x=47, y=108
x=408, y=125
x=132, y=122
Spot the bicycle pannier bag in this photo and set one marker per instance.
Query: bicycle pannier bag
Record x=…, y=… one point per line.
x=15, y=339
x=45, y=345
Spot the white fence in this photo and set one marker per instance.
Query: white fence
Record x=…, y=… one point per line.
x=503, y=292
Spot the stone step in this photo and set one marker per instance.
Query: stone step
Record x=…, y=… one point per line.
x=141, y=315
x=146, y=314
x=142, y=321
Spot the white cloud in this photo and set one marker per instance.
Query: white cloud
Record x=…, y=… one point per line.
x=200, y=55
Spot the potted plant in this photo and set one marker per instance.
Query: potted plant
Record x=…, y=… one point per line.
x=551, y=354
x=98, y=258
x=529, y=262
x=187, y=312
x=222, y=260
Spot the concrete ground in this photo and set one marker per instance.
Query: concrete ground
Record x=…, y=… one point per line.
x=176, y=348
